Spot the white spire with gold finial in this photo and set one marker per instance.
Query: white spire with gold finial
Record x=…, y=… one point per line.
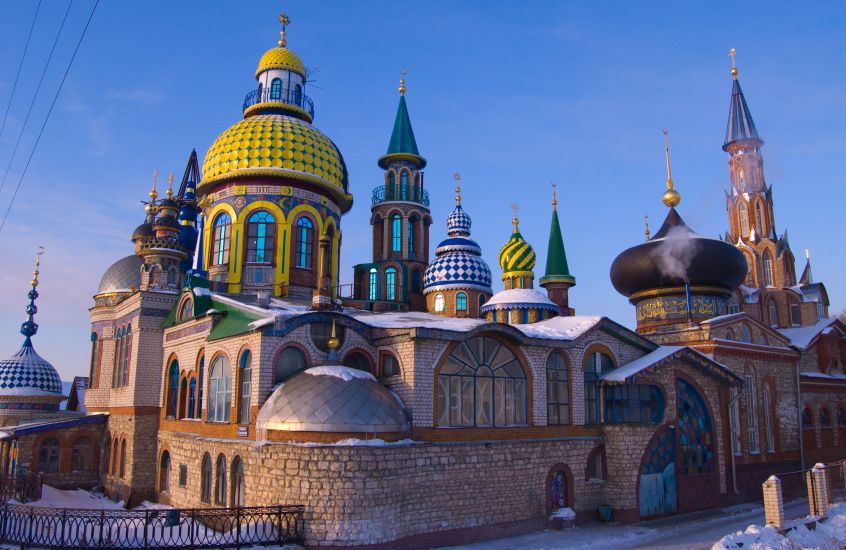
x=284, y=20
x=671, y=196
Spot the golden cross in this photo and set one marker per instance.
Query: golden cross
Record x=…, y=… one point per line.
x=284, y=21
x=155, y=176
x=515, y=207
x=731, y=53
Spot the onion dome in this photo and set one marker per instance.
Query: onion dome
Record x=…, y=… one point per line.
x=281, y=58
x=516, y=254
x=122, y=276
x=458, y=262
x=402, y=146
x=27, y=374
x=143, y=231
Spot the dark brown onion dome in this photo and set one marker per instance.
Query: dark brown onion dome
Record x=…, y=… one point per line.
x=142, y=231
x=677, y=255
x=166, y=221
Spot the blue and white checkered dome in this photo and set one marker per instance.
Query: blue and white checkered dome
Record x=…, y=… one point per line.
x=28, y=374
x=455, y=270
x=458, y=222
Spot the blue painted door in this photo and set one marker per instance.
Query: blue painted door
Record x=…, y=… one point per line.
x=658, y=476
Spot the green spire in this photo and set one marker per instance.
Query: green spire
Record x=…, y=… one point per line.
x=402, y=138
x=556, y=259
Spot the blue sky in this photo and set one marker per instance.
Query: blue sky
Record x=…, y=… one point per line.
x=513, y=95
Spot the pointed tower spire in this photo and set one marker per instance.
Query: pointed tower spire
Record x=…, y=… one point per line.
x=740, y=127
x=29, y=327
x=402, y=146
x=671, y=197
x=807, y=278
x=557, y=279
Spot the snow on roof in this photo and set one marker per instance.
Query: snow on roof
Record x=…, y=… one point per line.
x=815, y=374
x=560, y=328
x=639, y=364
x=344, y=373
x=719, y=318
x=750, y=294
x=522, y=296
x=802, y=336
x=414, y=319
x=200, y=291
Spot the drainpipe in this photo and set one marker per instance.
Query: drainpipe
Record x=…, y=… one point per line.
x=731, y=451
x=799, y=418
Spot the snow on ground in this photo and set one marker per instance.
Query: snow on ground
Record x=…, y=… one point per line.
x=85, y=500
x=827, y=535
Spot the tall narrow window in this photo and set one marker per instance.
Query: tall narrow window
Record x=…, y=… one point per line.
x=305, y=240
x=391, y=283
x=123, y=459
x=238, y=482
x=594, y=366
x=220, y=483
x=298, y=94
x=94, y=368
x=118, y=357
x=411, y=238
x=768, y=419
x=261, y=241
x=183, y=399
x=48, y=456
x=373, y=284
x=439, y=303
x=276, y=88
x=759, y=216
x=752, y=412
x=220, y=390
x=734, y=421
x=744, y=221
x=107, y=456
x=404, y=186
x=734, y=304
x=220, y=242
x=461, y=302
x=795, y=314
x=391, y=191
x=200, y=379
x=768, y=268
x=396, y=233
x=164, y=472
x=192, y=398
x=172, y=384
x=127, y=354
x=246, y=387
x=557, y=390
x=773, y=314
x=206, y=479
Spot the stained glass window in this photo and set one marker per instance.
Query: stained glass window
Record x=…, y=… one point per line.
x=220, y=242
x=482, y=384
x=261, y=241
x=633, y=404
x=558, y=490
x=696, y=436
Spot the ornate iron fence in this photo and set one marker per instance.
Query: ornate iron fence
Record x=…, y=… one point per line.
x=292, y=96
x=153, y=528
x=23, y=487
x=394, y=193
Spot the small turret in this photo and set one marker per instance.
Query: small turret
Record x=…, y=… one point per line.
x=557, y=280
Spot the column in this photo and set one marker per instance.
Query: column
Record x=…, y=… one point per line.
x=773, y=503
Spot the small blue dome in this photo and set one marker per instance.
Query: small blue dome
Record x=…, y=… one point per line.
x=457, y=270
x=28, y=374
x=460, y=244
x=458, y=222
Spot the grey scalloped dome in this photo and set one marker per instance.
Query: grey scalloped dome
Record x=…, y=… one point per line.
x=122, y=276
x=333, y=399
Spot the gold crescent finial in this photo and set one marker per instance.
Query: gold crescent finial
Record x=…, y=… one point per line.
x=457, y=177
x=515, y=221
x=733, y=65
x=37, y=265
x=671, y=196
x=554, y=197
x=284, y=20
x=646, y=223
x=402, y=82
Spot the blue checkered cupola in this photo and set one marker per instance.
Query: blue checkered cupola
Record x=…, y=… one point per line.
x=458, y=260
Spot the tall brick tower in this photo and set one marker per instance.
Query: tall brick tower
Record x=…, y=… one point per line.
x=400, y=219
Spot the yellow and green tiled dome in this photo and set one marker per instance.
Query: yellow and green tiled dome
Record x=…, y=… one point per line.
x=516, y=254
x=281, y=58
x=263, y=145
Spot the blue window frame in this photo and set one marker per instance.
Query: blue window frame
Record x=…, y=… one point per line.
x=633, y=404
x=391, y=283
x=261, y=241
x=396, y=233
x=172, y=384
x=192, y=398
x=276, y=88
x=461, y=302
x=373, y=293
x=410, y=238
x=404, y=186
x=200, y=387
x=305, y=239
x=221, y=240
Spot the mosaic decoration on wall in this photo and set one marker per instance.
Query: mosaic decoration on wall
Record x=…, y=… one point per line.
x=696, y=436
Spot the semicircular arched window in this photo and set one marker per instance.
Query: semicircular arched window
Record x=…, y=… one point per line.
x=261, y=238
x=186, y=311
x=288, y=363
x=221, y=239
x=482, y=384
x=276, y=88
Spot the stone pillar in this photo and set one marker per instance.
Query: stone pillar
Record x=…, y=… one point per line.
x=773, y=503
x=818, y=497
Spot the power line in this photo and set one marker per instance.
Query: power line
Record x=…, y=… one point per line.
x=53, y=104
x=15, y=85
x=34, y=97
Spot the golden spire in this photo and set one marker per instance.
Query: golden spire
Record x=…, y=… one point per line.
x=515, y=220
x=402, y=82
x=554, y=198
x=153, y=193
x=169, y=191
x=671, y=196
x=285, y=21
x=646, y=223
x=733, y=66
x=37, y=264
x=333, y=342
x=457, y=177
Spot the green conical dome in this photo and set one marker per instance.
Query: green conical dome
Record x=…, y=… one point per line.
x=557, y=269
x=402, y=144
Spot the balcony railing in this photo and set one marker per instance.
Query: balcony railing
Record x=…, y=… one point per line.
x=293, y=97
x=385, y=193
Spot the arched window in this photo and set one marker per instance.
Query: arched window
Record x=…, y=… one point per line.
x=696, y=433
x=114, y=461
x=298, y=94
x=410, y=238
x=557, y=389
x=768, y=268
x=120, y=350
x=558, y=490
x=220, y=390
x=288, y=363
x=461, y=302
x=795, y=314
x=373, y=284
x=744, y=221
x=391, y=187
x=745, y=333
x=415, y=281
x=357, y=360
x=238, y=482
x=752, y=411
x=260, y=97
x=404, y=186
x=164, y=472
x=439, y=303
x=220, y=481
x=221, y=240
x=390, y=365
x=729, y=334
x=807, y=419
x=305, y=241
x=396, y=233
x=773, y=314
x=246, y=384
x=759, y=217
x=767, y=403
x=94, y=368
x=206, y=479
x=594, y=365
x=172, y=277
x=127, y=354
x=391, y=283
x=482, y=384
x=825, y=418
x=172, y=384
x=123, y=459
x=183, y=398
x=192, y=398
x=261, y=238
x=48, y=456
x=276, y=88
x=201, y=371
x=186, y=311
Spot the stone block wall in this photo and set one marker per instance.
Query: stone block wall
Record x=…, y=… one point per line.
x=139, y=480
